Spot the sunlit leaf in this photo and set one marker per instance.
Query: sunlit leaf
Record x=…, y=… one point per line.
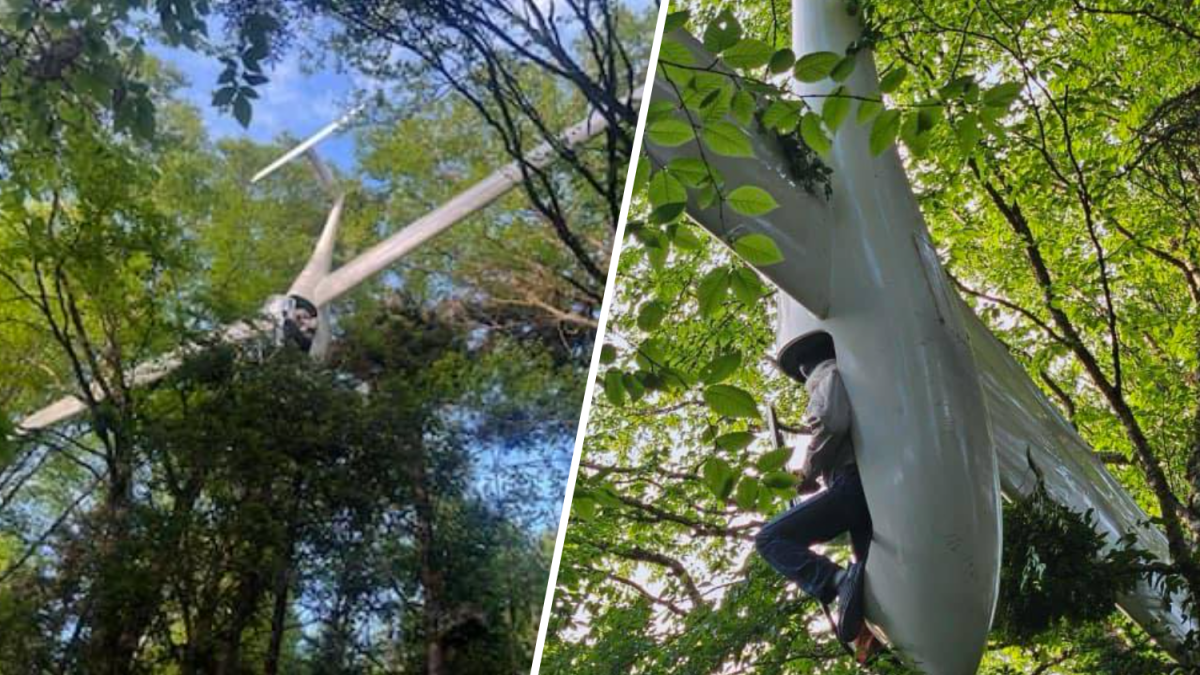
x=867, y=110
x=718, y=477
x=884, y=130
x=722, y=32
x=893, y=79
x=651, y=315
x=782, y=61
x=746, y=496
x=751, y=200
x=721, y=368
x=730, y=401
x=779, y=480
x=813, y=135
x=774, y=460
x=816, y=66
x=726, y=139
x=676, y=20
x=835, y=109
x=670, y=132
x=711, y=290
x=758, y=249
x=1002, y=95
x=746, y=286
x=843, y=69
x=614, y=388
x=734, y=440
x=747, y=53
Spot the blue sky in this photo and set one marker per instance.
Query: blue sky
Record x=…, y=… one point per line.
x=295, y=101
x=301, y=97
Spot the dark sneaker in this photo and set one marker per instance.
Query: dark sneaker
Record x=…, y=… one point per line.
x=850, y=604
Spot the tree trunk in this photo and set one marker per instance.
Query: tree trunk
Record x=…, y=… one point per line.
x=432, y=581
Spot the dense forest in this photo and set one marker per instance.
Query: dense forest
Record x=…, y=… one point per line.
x=387, y=510
x=1052, y=148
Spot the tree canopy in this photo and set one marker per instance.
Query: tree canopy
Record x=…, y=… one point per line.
x=1050, y=146
x=385, y=511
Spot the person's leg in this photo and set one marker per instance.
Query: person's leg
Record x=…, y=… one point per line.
x=859, y=515
x=784, y=542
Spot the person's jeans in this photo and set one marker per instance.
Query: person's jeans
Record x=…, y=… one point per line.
x=784, y=542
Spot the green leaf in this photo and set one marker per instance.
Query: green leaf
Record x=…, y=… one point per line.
x=720, y=368
x=928, y=115
x=1002, y=95
x=633, y=386
x=667, y=213
x=813, y=135
x=718, y=477
x=779, y=480
x=659, y=110
x=782, y=61
x=711, y=291
x=666, y=189
x=674, y=52
x=750, y=200
x=608, y=354
x=748, y=53
x=766, y=500
x=583, y=507
x=670, y=132
x=657, y=255
x=651, y=315
x=734, y=440
x=844, y=68
x=957, y=87
x=224, y=96
x=676, y=20
x=746, y=286
x=774, y=460
x=746, y=496
x=910, y=133
x=867, y=110
x=614, y=388
x=758, y=250
x=968, y=133
x=641, y=175
x=893, y=79
x=730, y=401
x=816, y=66
x=884, y=130
x=606, y=495
x=691, y=171
x=722, y=32
x=783, y=116
x=681, y=235
x=242, y=111
x=743, y=107
x=835, y=110
x=727, y=140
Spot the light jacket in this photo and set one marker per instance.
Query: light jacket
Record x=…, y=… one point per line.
x=828, y=416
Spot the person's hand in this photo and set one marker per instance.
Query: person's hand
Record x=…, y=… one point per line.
x=804, y=482
x=802, y=428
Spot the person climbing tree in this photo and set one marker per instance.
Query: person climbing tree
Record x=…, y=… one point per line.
x=839, y=507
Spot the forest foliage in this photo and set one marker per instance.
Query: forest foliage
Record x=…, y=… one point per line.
x=1051, y=145
x=383, y=511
